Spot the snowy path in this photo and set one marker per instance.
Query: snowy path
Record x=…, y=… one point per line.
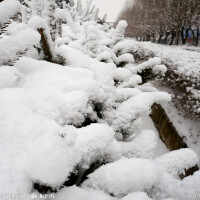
x=161, y=147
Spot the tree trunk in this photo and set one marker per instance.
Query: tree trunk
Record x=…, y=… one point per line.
x=173, y=34
x=153, y=35
x=45, y=46
x=177, y=35
x=166, y=36
x=197, y=37
x=184, y=38
x=148, y=37
x=160, y=37
x=193, y=38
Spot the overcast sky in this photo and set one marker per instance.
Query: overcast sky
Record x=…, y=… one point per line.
x=111, y=7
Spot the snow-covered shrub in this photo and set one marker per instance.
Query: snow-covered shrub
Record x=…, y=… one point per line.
x=46, y=42
x=77, y=193
x=10, y=77
x=182, y=74
x=140, y=175
x=120, y=31
x=125, y=59
x=137, y=196
x=51, y=166
x=125, y=118
x=76, y=129
x=92, y=39
x=174, y=163
x=10, y=51
x=37, y=7
x=121, y=74
x=8, y=10
x=104, y=56
x=141, y=146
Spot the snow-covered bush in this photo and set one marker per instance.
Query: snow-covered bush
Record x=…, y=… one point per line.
x=120, y=30
x=10, y=77
x=76, y=129
x=181, y=68
x=118, y=179
x=10, y=51
x=8, y=10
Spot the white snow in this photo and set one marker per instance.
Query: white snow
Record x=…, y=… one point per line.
x=76, y=193
x=151, y=63
x=10, y=77
x=135, y=107
x=121, y=74
x=142, y=146
x=9, y=50
x=93, y=140
x=161, y=148
x=176, y=161
x=128, y=58
x=50, y=160
x=133, y=174
x=137, y=196
x=57, y=120
x=185, y=126
x=162, y=69
x=8, y=9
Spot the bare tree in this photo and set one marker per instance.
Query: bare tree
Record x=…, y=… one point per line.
x=153, y=20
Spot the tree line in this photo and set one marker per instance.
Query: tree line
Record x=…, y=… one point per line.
x=166, y=21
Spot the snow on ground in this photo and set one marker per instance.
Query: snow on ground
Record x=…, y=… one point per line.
x=161, y=148
x=186, y=61
x=187, y=128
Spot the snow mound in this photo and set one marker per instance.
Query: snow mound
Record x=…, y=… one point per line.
x=137, y=196
x=93, y=139
x=176, y=161
x=134, y=174
x=9, y=51
x=135, y=107
x=151, y=63
x=123, y=94
x=189, y=187
x=10, y=77
x=76, y=193
x=121, y=74
x=8, y=9
x=50, y=160
x=142, y=146
x=160, y=69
